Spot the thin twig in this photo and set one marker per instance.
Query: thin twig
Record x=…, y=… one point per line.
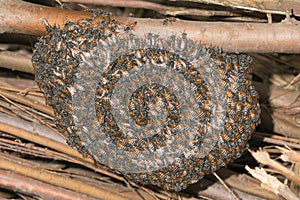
x=276, y=140
x=39, y=94
x=224, y=184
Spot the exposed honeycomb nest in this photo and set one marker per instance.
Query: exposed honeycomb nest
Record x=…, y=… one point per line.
x=162, y=111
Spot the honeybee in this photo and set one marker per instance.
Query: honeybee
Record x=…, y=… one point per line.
x=130, y=27
x=246, y=106
x=238, y=149
x=169, y=20
x=228, y=127
x=135, y=150
x=242, y=95
x=46, y=24
x=240, y=128
x=222, y=73
x=225, y=136
x=238, y=107
x=210, y=157
x=120, y=144
x=59, y=82
x=167, y=95
x=201, y=131
x=223, y=151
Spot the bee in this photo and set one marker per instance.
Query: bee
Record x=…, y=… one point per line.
x=233, y=142
x=240, y=128
x=246, y=106
x=179, y=146
x=169, y=20
x=248, y=82
x=223, y=151
x=246, y=117
x=252, y=125
x=207, y=126
x=228, y=127
x=94, y=42
x=106, y=14
x=184, y=36
x=47, y=26
x=130, y=27
x=130, y=15
x=218, y=90
x=225, y=136
x=167, y=95
x=101, y=118
x=230, y=111
x=83, y=46
x=173, y=124
x=252, y=114
x=166, y=57
x=115, y=22
x=150, y=145
x=238, y=149
x=236, y=65
x=222, y=73
x=49, y=59
x=201, y=113
x=237, y=135
x=233, y=84
x=131, y=106
x=210, y=157
x=141, y=120
x=120, y=143
x=213, y=164
x=59, y=82
x=154, y=59
x=228, y=66
x=241, y=95
x=135, y=150
x=96, y=13
x=239, y=107
x=249, y=98
x=229, y=94
x=139, y=53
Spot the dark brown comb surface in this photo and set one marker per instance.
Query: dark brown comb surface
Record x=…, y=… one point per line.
x=162, y=111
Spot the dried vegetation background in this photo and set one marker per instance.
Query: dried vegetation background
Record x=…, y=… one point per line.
x=35, y=162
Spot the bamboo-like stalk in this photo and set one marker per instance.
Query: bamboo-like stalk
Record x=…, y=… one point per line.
x=40, y=140
x=55, y=179
x=23, y=63
x=25, y=185
x=21, y=17
x=266, y=6
x=28, y=102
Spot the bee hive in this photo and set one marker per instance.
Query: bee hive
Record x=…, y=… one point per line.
x=162, y=111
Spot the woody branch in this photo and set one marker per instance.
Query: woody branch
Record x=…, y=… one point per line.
x=22, y=17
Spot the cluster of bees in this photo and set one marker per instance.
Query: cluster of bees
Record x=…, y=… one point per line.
x=190, y=109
